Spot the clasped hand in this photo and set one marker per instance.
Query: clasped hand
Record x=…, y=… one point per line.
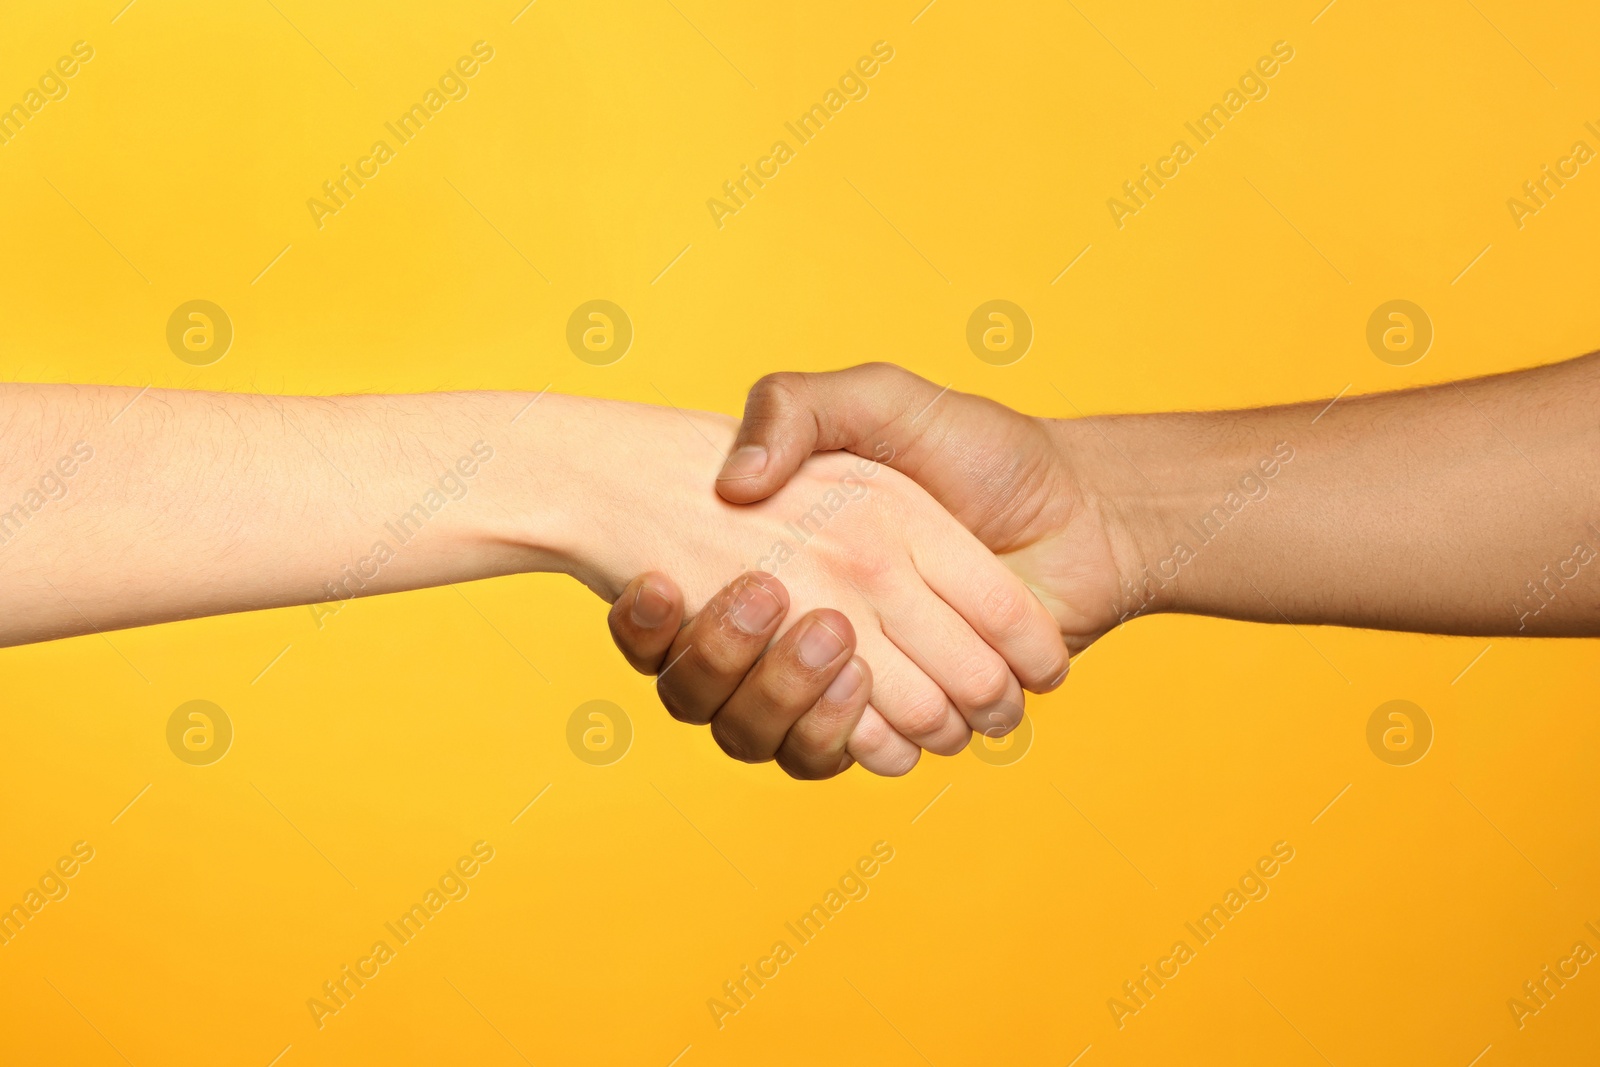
x=887, y=617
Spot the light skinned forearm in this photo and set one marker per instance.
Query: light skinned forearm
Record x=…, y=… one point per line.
x=121, y=507
x=1467, y=508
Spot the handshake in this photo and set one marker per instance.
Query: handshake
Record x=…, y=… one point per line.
x=940, y=553
x=905, y=560
x=944, y=553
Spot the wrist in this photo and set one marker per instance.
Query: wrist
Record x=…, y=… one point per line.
x=1113, y=496
x=438, y=498
x=1177, y=488
x=592, y=485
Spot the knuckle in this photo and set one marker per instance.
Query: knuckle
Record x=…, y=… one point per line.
x=722, y=660
x=986, y=684
x=733, y=742
x=923, y=716
x=1060, y=661
x=800, y=769
x=819, y=733
x=774, y=392
x=999, y=721
x=623, y=634
x=951, y=742
x=804, y=760
x=722, y=651
x=1006, y=611
x=774, y=687
x=893, y=764
x=868, y=570
x=677, y=706
x=880, y=369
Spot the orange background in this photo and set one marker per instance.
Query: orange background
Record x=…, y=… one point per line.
x=369, y=754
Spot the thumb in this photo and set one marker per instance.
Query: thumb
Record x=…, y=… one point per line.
x=788, y=416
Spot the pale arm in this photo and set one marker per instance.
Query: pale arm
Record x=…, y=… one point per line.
x=142, y=507
x=121, y=508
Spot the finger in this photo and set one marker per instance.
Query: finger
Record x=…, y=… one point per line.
x=909, y=700
x=711, y=656
x=999, y=606
x=644, y=620
x=790, y=679
x=817, y=745
x=977, y=681
x=879, y=748
x=788, y=416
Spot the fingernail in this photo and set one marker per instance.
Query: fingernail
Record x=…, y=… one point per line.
x=819, y=646
x=1058, y=679
x=650, y=606
x=755, y=608
x=844, y=686
x=747, y=461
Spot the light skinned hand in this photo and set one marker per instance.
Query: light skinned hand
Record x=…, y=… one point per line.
x=951, y=635
x=1000, y=473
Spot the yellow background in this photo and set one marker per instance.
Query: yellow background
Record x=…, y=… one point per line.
x=373, y=752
